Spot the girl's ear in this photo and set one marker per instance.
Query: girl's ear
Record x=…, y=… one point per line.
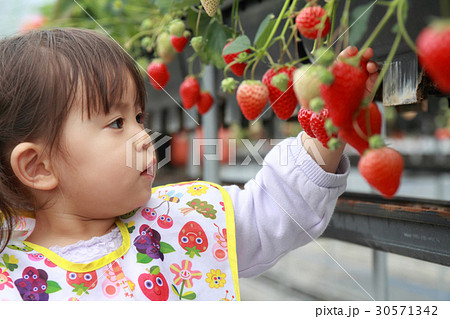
x=32, y=167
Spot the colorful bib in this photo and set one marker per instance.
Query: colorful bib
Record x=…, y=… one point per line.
x=179, y=246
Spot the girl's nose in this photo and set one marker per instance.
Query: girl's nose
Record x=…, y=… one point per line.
x=144, y=143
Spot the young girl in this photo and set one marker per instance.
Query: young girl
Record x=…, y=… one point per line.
x=81, y=224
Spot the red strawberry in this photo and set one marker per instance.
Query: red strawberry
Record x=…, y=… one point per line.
x=281, y=92
x=350, y=135
x=344, y=95
x=204, y=102
x=304, y=117
x=252, y=96
x=158, y=73
x=308, y=22
x=317, y=124
x=433, y=44
x=179, y=43
x=189, y=91
x=236, y=68
x=382, y=168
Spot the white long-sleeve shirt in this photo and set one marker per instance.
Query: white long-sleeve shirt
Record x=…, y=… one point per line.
x=288, y=204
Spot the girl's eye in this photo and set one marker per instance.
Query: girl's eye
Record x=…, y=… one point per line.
x=140, y=118
x=118, y=124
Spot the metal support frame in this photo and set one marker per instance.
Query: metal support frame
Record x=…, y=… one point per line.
x=410, y=227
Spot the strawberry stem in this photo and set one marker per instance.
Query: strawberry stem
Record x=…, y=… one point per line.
x=390, y=11
x=402, y=28
x=386, y=65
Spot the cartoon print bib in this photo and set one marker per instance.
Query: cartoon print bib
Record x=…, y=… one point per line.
x=179, y=246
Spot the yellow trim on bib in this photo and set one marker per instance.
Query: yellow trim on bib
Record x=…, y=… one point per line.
x=94, y=265
x=231, y=231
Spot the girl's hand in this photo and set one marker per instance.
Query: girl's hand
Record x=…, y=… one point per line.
x=371, y=66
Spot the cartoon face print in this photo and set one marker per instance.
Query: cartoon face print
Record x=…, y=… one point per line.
x=148, y=242
x=33, y=284
x=154, y=285
x=165, y=221
x=192, y=238
x=149, y=213
x=82, y=282
x=35, y=256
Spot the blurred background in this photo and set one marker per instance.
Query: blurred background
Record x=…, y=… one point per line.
x=348, y=268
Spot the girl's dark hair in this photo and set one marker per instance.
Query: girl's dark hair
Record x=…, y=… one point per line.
x=40, y=74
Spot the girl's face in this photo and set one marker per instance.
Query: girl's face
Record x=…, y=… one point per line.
x=94, y=177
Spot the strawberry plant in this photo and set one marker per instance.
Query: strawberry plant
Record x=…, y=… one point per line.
x=159, y=30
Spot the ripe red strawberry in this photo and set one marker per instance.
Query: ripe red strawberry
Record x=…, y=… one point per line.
x=344, y=95
x=433, y=44
x=350, y=135
x=210, y=6
x=382, y=168
x=252, y=96
x=281, y=92
x=204, y=102
x=308, y=22
x=304, y=117
x=179, y=43
x=158, y=73
x=236, y=68
x=317, y=124
x=189, y=91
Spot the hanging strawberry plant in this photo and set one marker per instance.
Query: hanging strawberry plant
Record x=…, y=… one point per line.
x=335, y=90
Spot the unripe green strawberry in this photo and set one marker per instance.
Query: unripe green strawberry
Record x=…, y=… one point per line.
x=197, y=43
x=252, y=97
x=306, y=84
x=210, y=6
x=382, y=167
x=164, y=47
x=229, y=85
x=177, y=28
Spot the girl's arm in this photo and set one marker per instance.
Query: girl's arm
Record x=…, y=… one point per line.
x=288, y=204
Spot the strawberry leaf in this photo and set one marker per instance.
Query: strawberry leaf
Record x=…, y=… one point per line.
x=264, y=30
x=143, y=258
x=155, y=270
x=241, y=43
x=52, y=286
x=360, y=17
x=165, y=248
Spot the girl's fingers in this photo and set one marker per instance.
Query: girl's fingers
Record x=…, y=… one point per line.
x=372, y=67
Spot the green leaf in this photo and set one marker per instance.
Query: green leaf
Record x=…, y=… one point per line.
x=264, y=30
x=217, y=36
x=165, y=248
x=358, y=30
x=52, y=286
x=154, y=270
x=190, y=295
x=241, y=43
x=175, y=290
x=1, y=265
x=143, y=258
x=11, y=267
